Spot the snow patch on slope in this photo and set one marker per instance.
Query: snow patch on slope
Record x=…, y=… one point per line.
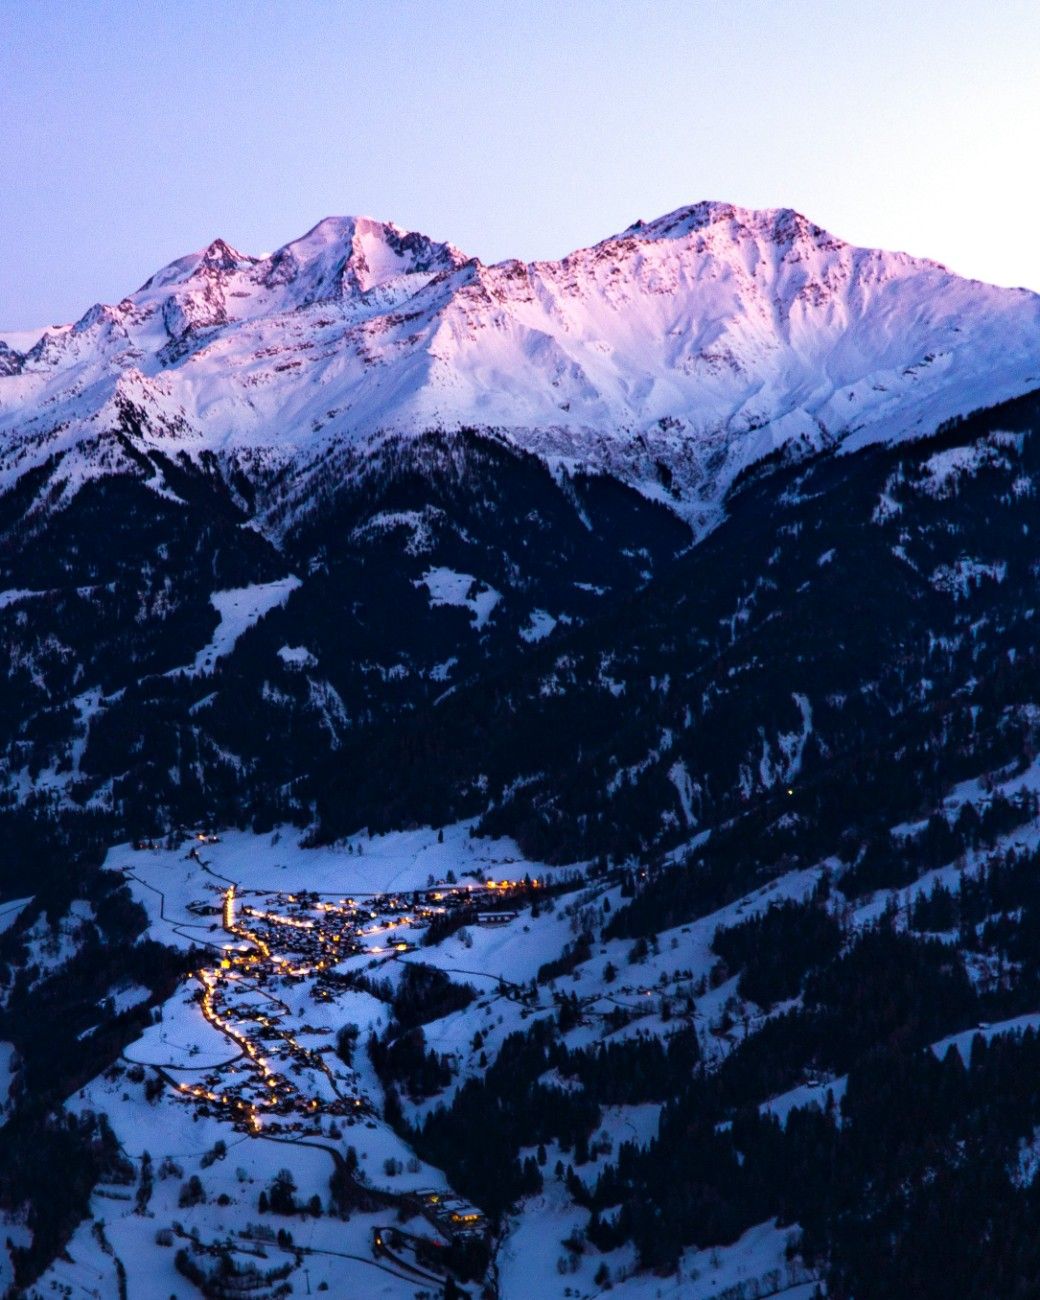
x=239, y=609
x=539, y=626
x=447, y=587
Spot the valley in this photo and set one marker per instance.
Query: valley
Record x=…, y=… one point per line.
x=241, y=1068
x=257, y=1135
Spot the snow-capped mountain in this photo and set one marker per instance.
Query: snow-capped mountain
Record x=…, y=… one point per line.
x=671, y=355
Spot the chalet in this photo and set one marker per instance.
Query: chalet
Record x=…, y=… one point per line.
x=455, y=1218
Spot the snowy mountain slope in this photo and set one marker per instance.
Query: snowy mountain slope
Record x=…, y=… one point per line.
x=671, y=355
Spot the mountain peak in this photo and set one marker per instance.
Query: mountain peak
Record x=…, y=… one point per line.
x=220, y=256
x=780, y=225
x=348, y=255
x=724, y=224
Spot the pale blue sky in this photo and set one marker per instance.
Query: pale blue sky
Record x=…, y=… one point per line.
x=133, y=132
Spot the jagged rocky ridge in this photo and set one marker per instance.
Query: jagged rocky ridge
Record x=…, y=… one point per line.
x=672, y=355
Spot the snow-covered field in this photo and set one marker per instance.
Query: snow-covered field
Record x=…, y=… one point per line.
x=239, y=609
x=446, y=587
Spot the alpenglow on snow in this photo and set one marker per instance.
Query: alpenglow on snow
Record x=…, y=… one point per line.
x=672, y=355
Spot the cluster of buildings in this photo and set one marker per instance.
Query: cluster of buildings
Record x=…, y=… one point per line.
x=279, y=1083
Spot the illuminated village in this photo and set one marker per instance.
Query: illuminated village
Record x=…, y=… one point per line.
x=273, y=1130
x=281, y=1083
x=284, y=969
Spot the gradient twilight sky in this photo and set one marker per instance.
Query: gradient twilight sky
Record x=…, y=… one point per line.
x=133, y=132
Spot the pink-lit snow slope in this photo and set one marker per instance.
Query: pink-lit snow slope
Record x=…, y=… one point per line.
x=671, y=355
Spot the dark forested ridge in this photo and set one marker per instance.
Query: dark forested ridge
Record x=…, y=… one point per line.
x=864, y=623
x=858, y=621
x=110, y=604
